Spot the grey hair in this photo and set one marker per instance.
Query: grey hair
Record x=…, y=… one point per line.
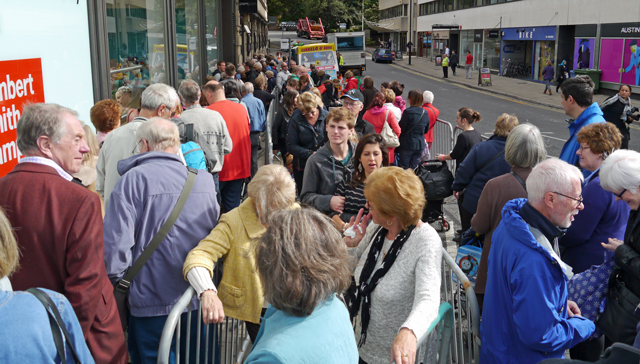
x=271, y=189
x=302, y=261
x=551, y=175
x=160, y=133
x=41, y=120
x=247, y=88
x=189, y=90
x=427, y=97
x=621, y=170
x=157, y=95
x=124, y=90
x=525, y=146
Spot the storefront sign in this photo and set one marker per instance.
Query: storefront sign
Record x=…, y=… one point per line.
x=477, y=36
x=494, y=33
x=538, y=33
x=20, y=83
x=484, y=77
x=620, y=30
x=440, y=34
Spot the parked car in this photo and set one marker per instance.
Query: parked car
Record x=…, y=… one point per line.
x=382, y=55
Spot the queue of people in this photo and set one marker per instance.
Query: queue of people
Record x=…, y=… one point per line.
x=326, y=259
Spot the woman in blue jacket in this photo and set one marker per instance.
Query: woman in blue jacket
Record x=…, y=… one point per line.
x=547, y=76
x=414, y=124
x=484, y=162
x=602, y=218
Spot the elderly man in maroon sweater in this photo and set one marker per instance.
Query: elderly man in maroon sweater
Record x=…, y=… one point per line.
x=59, y=226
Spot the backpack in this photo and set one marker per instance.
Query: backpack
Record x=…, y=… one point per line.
x=192, y=152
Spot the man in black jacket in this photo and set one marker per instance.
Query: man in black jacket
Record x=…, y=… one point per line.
x=354, y=101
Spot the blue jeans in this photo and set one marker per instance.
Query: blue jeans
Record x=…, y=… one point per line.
x=230, y=194
x=145, y=333
x=409, y=158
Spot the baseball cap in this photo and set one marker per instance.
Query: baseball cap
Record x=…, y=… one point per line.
x=354, y=95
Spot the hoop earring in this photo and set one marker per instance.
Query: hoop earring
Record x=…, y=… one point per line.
x=389, y=222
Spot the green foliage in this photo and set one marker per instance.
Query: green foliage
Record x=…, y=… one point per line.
x=331, y=12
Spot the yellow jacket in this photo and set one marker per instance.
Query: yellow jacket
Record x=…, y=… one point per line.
x=240, y=289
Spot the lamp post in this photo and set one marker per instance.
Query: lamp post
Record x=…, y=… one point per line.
x=363, y=15
x=409, y=44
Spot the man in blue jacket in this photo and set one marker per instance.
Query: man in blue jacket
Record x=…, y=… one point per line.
x=258, y=119
x=140, y=204
x=577, y=101
x=526, y=316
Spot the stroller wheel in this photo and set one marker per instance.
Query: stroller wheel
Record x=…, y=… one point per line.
x=445, y=225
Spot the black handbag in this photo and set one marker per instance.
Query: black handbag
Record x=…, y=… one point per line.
x=121, y=288
x=436, y=179
x=619, y=319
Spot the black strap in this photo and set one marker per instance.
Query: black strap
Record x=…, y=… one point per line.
x=57, y=324
x=519, y=180
x=124, y=284
x=491, y=160
x=191, y=151
x=414, y=125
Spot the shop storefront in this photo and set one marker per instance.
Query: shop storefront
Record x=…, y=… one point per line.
x=620, y=54
x=484, y=45
x=76, y=53
x=528, y=49
x=491, y=48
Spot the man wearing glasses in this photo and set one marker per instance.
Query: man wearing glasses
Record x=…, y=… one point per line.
x=354, y=101
x=156, y=100
x=527, y=317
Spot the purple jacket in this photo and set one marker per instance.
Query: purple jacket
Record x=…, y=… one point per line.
x=140, y=203
x=548, y=73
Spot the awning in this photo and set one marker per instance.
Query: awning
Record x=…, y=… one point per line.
x=382, y=27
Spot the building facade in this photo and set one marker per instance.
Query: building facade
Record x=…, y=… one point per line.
x=525, y=34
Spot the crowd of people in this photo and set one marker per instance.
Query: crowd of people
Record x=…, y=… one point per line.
x=325, y=257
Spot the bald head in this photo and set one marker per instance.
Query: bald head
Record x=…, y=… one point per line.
x=213, y=91
x=158, y=135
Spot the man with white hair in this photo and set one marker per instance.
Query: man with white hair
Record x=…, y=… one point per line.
x=258, y=119
x=527, y=317
x=58, y=226
x=209, y=129
x=283, y=75
x=156, y=100
x=140, y=204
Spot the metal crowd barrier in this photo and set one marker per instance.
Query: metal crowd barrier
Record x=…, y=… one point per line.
x=267, y=148
x=230, y=337
x=465, y=346
x=443, y=140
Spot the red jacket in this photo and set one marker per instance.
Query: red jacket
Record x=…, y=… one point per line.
x=469, y=59
x=433, y=116
x=377, y=120
x=351, y=84
x=237, y=164
x=59, y=229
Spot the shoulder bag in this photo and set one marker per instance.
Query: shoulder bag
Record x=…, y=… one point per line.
x=57, y=325
x=391, y=140
x=121, y=289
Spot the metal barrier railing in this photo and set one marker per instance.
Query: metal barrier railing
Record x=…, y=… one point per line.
x=443, y=140
x=224, y=343
x=465, y=346
x=267, y=148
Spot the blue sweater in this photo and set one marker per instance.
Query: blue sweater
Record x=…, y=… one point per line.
x=603, y=217
x=140, y=203
x=470, y=176
x=525, y=316
x=326, y=336
x=25, y=333
x=590, y=115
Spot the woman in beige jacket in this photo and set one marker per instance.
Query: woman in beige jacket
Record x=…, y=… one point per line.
x=240, y=293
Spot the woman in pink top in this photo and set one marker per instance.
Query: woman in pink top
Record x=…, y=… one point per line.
x=376, y=116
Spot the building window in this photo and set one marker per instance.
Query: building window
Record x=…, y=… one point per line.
x=393, y=12
x=440, y=6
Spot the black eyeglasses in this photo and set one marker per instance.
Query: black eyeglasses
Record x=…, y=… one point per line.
x=579, y=200
x=310, y=113
x=619, y=195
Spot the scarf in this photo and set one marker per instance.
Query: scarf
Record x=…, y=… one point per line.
x=400, y=103
x=376, y=110
x=362, y=293
x=613, y=100
x=535, y=219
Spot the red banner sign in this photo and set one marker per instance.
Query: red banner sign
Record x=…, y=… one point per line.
x=20, y=83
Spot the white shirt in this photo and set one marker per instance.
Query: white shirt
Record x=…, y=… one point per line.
x=47, y=162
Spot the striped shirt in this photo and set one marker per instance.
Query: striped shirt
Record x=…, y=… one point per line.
x=47, y=162
x=354, y=199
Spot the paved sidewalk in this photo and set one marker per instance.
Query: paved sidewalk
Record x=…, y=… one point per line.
x=514, y=88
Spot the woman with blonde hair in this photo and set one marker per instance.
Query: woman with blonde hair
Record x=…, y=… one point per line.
x=397, y=278
x=484, y=162
x=26, y=330
x=305, y=134
x=239, y=294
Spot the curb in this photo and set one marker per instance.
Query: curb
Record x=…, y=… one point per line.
x=482, y=88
